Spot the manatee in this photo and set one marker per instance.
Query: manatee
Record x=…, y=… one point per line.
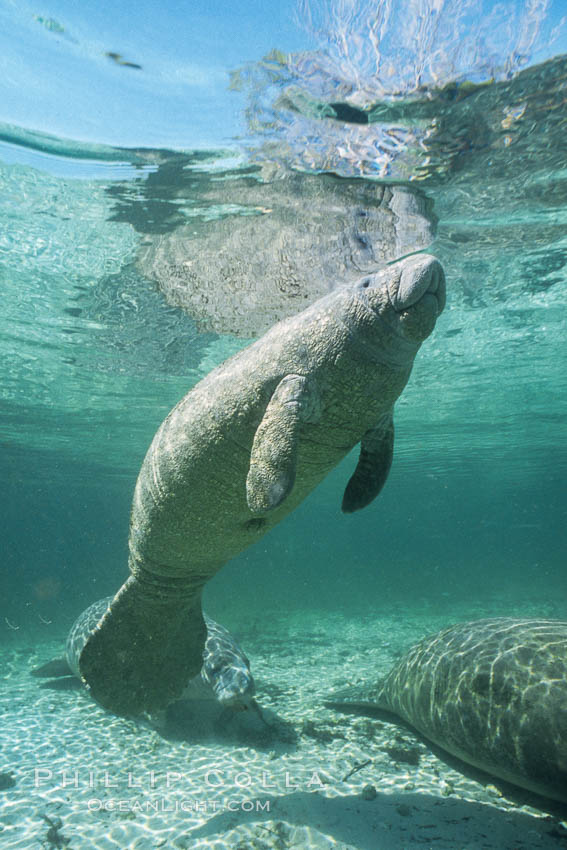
x=225, y=675
x=491, y=692
x=240, y=451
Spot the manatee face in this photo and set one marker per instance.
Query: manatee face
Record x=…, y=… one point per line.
x=233, y=685
x=226, y=669
x=407, y=297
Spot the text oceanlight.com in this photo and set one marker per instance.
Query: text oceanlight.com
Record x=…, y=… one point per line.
x=164, y=804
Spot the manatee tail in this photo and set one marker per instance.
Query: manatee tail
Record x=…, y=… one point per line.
x=378, y=708
x=145, y=648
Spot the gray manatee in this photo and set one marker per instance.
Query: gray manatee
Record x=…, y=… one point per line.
x=225, y=675
x=240, y=451
x=491, y=692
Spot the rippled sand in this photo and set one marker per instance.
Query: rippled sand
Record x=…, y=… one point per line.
x=73, y=776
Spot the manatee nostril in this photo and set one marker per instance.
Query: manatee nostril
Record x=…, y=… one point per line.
x=365, y=283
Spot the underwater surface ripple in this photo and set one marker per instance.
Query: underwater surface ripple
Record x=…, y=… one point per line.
x=85, y=336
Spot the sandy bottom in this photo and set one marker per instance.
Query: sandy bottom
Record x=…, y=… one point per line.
x=73, y=776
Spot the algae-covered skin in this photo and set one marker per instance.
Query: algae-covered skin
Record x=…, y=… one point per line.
x=491, y=692
x=240, y=451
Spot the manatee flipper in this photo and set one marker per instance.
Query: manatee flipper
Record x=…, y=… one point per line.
x=147, y=646
x=273, y=458
x=63, y=683
x=374, y=462
x=55, y=669
x=59, y=675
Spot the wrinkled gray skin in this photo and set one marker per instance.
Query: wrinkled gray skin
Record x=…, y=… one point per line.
x=490, y=692
x=225, y=675
x=240, y=452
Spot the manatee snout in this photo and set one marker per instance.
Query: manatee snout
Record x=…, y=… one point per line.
x=419, y=276
x=408, y=295
x=417, y=294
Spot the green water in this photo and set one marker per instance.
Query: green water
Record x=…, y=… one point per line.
x=170, y=187
x=95, y=352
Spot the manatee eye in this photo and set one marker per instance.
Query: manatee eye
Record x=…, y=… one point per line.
x=365, y=283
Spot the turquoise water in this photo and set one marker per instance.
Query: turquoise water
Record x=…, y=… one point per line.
x=155, y=219
x=96, y=349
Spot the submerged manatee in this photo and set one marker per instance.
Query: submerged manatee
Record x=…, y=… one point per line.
x=225, y=675
x=243, y=448
x=491, y=692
